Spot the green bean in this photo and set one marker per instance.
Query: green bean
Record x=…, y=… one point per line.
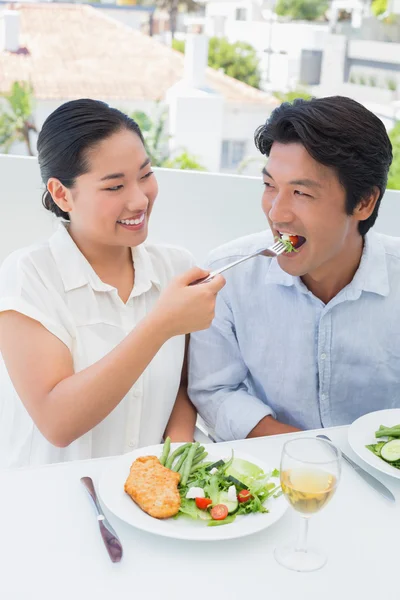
x=200, y=449
x=164, y=455
x=176, y=453
x=199, y=466
x=198, y=458
x=188, y=463
x=180, y=462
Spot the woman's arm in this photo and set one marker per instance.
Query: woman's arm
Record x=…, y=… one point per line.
x=181, y=424
x=65, y=405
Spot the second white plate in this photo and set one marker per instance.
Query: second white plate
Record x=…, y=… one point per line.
x=362, y=432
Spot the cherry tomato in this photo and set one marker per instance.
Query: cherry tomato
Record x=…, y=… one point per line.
x=244, y=496
x=294, y=239
x=203, y=503
x=219, y=512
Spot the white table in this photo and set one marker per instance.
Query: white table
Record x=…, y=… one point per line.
x=50, y=546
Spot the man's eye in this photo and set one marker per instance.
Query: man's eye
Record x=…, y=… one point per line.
x=299, y=193
x=115, y=188
x=268, y=185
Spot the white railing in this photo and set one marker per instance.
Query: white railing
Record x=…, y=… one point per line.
x=196, y=210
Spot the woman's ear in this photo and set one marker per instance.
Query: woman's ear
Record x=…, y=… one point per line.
x=61, y=195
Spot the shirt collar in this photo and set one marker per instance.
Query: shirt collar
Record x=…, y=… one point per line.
x=76, y=271
x=371, y=275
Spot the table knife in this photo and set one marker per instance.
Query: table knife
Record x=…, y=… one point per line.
x=110, y=538
x=370, y=479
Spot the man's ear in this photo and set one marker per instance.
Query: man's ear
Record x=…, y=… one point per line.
x=61, y=195
x=366, y=207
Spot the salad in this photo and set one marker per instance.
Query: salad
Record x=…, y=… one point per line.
x=388, y=449
x=217, y=492
x=289, y=241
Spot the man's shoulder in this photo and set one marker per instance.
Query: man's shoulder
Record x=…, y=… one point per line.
x=391, y=244
x=239, y=247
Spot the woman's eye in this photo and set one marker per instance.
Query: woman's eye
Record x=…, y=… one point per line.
x=115, y=188
x=147, y=175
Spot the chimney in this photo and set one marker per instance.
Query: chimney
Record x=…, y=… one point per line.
x=196, y=60
x=9, y=30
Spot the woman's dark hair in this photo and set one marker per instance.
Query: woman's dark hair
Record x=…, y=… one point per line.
x=340, y=133
x=66, y=137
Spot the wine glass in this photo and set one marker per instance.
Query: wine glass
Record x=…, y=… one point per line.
x=310, y=473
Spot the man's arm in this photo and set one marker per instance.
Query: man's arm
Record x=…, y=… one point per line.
x=216, y=383
x=181, y=424
x=270, y=426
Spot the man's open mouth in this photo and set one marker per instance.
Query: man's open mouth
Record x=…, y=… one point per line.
x=293, y=238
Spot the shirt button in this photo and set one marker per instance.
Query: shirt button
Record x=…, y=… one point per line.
x=323, y=396
x=323, y=356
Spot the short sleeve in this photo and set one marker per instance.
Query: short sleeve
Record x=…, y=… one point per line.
x=24, y=290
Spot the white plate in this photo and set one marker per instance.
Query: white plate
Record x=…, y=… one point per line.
x=362, y=432
x=111, y=490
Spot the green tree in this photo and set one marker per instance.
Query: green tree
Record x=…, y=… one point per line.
x=394, y=173
x=292, y=95
x=183, y=161
x=16, y=119
x=156, y=142
x=155, y=138
x=305, y=10
x=238, y=60
x=378, y=7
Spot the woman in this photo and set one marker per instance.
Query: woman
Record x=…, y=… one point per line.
x=92, y=321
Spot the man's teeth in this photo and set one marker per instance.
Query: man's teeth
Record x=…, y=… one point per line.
x=132, y=221
x=286, y=236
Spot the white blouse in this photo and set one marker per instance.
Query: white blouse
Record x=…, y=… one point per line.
x=54, y=284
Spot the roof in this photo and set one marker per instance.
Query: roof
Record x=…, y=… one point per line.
x=76, y=51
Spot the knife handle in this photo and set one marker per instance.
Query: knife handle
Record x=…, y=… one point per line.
x=88, y=483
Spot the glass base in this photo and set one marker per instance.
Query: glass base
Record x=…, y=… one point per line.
x=300, y=560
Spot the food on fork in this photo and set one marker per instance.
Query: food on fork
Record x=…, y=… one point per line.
x=154, y=487
x=291, y=241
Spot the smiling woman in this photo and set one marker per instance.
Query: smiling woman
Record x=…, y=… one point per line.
x=93, y=321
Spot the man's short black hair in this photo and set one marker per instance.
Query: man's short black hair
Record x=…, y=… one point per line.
x=340, y=133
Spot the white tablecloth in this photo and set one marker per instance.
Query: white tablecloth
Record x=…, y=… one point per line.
x=50, y=546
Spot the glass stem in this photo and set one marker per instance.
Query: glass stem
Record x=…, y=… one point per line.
x=301, y=545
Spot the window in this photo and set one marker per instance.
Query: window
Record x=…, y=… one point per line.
x=241, y=14
x=233, y=152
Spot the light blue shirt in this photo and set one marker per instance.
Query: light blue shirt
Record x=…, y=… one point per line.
x=276, y=349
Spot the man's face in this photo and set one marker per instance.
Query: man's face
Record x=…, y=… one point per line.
x=305, y=198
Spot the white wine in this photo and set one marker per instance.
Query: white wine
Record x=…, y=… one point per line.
x=308, y=490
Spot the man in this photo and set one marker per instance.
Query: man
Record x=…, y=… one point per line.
x=310, y=339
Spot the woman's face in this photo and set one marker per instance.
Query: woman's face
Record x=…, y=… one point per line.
x=112, y=202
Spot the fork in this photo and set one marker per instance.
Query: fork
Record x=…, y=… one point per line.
x=272, y=251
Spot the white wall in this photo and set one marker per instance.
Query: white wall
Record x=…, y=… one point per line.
x=196, y=210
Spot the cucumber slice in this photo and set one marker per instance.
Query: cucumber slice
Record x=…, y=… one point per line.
x=391, y=451
x=231, y=505
x=236, y=482
x=215, y=465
